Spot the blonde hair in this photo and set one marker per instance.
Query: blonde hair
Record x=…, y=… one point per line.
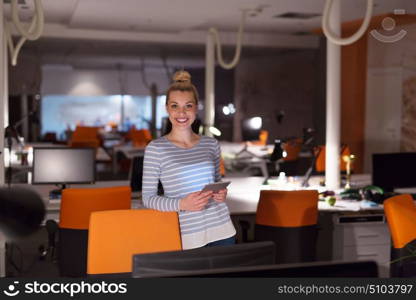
x=182, y=82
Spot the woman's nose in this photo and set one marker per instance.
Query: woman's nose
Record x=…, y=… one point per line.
x=182, y=110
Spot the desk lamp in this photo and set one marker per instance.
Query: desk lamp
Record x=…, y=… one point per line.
x=276, y=156
x=309, y=141
x=348, y=159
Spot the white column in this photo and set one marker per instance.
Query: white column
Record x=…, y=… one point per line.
x=209, y=83
x=24, y=114
x=333, y=103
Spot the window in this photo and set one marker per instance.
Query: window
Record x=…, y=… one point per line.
x=62, y=112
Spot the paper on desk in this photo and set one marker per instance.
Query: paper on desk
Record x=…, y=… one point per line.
x=341, y=205
x=349, y=205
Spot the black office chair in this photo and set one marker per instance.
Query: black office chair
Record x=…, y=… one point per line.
x=52, y=230
x=136, y=173
x=289, y=218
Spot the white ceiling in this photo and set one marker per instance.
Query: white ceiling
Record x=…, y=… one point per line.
x=182, y=22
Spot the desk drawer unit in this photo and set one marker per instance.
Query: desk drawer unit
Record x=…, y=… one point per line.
x=370, y=252
x=363, y=234
x=360, y=237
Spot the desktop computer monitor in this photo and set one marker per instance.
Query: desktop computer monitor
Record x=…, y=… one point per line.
x=163, y=264
x=63, y=166
x=136, y=175
x=394, y=170
x=166, y=126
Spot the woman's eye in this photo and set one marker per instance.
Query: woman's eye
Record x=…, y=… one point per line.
x=174, y=106
x=189, y=106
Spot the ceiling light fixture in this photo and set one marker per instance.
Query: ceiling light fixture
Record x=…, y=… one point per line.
x=33, y=33
x=297, y=15
x=356, y=36
x=237, y=53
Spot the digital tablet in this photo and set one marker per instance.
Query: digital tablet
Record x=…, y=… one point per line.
x=215, y=187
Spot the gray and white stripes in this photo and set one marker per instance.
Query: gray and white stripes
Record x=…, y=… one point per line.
x=183, y=171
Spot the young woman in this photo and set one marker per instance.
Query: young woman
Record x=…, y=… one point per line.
x=185, y=162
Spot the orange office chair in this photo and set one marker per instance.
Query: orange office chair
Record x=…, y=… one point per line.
x=292, y=148
x=222, y=167
x=116, y=235
x=264, y=134
x=320, y=158
x=288, y=218
x=76, y=207
x=401, y=217
x=85, y=136
x=139, y=138
x=262, y=141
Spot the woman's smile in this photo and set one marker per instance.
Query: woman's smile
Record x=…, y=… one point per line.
x=181, y=120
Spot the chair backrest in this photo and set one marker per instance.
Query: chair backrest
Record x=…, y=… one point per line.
x=139, y=138
x=262, y=141
x=222, y=167
x=289, y=219
x=263, y=135
x=115, y=236
x=287, y=208
x=85, y=133
x=76, y=208
x=320, y=158
x=77, y=204
x=401, y=217
x=49, y=137
x=85, y=136
x=292, y=148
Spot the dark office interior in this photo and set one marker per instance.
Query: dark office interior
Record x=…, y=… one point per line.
x=316, y=137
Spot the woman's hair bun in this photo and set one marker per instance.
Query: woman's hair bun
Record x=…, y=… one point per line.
x=181, y=76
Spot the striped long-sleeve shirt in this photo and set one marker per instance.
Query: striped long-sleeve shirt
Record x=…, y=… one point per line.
x=183, y=171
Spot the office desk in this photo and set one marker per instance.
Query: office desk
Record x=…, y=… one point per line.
x=53, y=206
x=242, y=199
x=348, y=230
x=244, y=193
x=243, y=196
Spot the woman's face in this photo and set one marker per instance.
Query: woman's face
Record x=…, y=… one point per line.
x=182, y=109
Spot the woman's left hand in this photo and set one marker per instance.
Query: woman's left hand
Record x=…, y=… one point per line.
x=220, y=195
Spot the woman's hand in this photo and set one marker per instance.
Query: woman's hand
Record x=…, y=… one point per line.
x=195, y=201
x=220, y=195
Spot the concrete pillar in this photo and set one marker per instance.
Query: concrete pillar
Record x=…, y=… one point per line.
x=333, y=103
x=24, y=115
x=209, y=83
x=153, y=95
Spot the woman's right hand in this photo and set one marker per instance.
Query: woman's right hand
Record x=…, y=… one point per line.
x=195, y=201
